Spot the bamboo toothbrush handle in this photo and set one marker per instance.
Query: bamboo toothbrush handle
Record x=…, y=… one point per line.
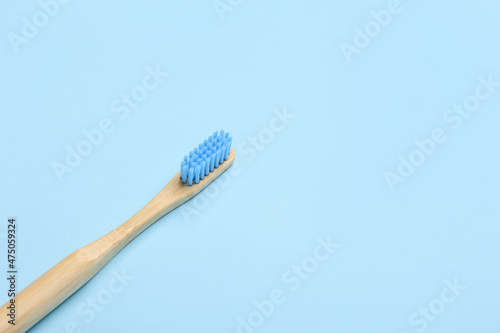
x=57, y=284
x=51, y=289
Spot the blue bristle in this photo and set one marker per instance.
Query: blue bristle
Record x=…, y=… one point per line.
x=184, y=172
x=202, y=170
x=183, y=163
x=197, y=174
x=222, y=153
x=190, y=176
x=206, y=157
x=212, y=162
x=225, y=152
x=217, y=158
x=207, y=166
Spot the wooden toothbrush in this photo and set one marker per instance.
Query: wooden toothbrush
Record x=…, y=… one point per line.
x=200, y=168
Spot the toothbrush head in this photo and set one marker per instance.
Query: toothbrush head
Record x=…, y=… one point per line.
x=206, y=158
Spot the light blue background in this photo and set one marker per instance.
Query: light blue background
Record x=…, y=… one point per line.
x=323, y=175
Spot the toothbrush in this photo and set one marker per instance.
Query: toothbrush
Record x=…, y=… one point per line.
x=201, y=167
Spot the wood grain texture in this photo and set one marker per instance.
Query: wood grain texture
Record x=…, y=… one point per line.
x=61, y=281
